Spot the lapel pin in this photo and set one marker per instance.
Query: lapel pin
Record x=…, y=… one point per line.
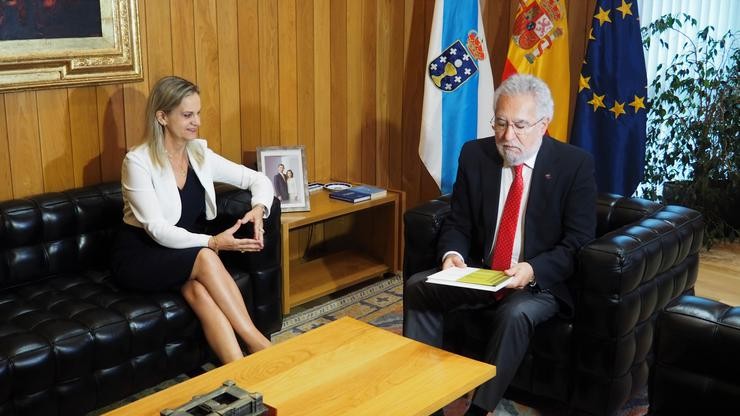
x=548, y=176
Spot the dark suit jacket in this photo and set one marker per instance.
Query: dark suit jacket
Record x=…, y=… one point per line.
x=560, y=215
x=281, y=186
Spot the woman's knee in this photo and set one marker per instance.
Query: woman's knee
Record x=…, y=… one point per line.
x=194, y=292
x=207, y=262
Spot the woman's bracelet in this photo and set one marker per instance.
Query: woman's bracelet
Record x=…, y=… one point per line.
x=215, y=243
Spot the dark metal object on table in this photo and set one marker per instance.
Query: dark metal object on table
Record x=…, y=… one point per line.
x=227, y=400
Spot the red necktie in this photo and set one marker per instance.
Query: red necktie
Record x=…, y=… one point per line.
x=502, y=250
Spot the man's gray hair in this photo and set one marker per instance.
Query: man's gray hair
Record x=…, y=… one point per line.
x=524, y=84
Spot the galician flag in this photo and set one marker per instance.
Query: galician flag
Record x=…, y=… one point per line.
x=539, y=47
x=458, y=90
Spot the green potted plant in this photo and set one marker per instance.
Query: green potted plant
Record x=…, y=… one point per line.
x=692, y=149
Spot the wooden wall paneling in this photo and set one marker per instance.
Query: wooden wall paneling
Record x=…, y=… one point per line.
x=23, y=143
x=6, y=177
x=159, y=41
x=416, y=40
x=287, y=87
x=305, y=86
x=322, y=78
x=55, y=139
x=111, y=130
x=339, y=96
x=135, y=94
x=183, y=43
x=383, y=76
x=83, y=123
x=228, y=78
x=396, y=62
x=579, y=27
x=269, y=80
x=207, y=70
x=370, y=153
x=355, y=108
x=498, y=32
x=249, y=78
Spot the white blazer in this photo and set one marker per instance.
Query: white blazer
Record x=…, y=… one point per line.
x=151, y=199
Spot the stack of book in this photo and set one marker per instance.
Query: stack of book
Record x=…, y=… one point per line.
x=358, y=193
x=471, y=277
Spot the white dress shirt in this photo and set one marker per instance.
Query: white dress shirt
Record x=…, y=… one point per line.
x=507, y=177
x=151, y=199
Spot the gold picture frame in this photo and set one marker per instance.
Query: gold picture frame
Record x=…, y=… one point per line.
x=115, y=56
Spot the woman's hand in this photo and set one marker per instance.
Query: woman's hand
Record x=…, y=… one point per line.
x=255, y=216
x=226, y=240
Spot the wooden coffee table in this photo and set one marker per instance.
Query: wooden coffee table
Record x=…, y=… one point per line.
x=345, y=367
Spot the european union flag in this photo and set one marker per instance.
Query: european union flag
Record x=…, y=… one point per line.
x=610, y=114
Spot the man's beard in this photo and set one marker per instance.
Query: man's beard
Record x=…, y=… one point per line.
x=514, y=158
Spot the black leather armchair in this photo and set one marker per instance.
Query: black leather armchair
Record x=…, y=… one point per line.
x=644, y=256
x=697, y=367
x=70, y=340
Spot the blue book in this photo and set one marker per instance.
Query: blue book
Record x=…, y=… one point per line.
x=350, y=195
x=374, y=192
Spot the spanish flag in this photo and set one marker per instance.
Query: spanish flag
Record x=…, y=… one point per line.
x=539, y=46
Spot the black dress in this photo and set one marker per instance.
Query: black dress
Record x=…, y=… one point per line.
x=140, y=263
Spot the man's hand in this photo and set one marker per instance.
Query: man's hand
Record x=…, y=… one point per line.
x=453, y=260
x=522, y=273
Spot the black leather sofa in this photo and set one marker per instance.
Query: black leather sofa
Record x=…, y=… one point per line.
x=645, y=255
x=70, y=340
x=697, y=367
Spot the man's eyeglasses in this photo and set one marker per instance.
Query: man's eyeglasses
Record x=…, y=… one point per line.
x=520, y=126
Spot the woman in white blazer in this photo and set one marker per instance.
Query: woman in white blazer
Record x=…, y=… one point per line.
x=167, y=185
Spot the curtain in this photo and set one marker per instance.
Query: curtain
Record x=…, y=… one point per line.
x=724, y=15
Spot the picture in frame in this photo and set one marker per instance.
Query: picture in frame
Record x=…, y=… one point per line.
x=53, y=44
x=286, y=169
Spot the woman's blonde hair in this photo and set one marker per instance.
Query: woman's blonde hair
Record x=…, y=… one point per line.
x=166, y=95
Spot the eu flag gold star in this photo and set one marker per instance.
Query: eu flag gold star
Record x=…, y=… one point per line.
x=583, y=83
x=597, y=101
x=625, y=8
x=638, y=103
x=617, y=109
x=603, y=16
x=591, y=34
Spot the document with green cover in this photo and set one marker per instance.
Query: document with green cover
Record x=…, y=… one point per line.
x=471, y=277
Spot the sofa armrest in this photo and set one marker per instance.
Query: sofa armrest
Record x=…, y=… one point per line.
x=696, y=361
x=622, y=281
x=421, y=231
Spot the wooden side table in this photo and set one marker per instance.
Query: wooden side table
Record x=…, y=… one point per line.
x=338, y=244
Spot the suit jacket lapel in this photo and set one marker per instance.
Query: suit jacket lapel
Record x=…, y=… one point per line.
x=540, y=188
x=491, y=188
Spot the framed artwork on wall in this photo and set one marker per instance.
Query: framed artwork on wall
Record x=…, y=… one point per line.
x=68, y=43
x=286, y=168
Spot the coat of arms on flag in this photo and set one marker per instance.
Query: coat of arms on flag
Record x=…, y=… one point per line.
x=456, y=64
x=537, y=25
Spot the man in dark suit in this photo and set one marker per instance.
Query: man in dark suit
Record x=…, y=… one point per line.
x=280, y=184
x=522, y=203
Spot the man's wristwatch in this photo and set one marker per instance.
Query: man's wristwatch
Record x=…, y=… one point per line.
x=532, y=282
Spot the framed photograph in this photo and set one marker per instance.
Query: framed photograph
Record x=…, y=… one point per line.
x=286, y=168
x=68, y=43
